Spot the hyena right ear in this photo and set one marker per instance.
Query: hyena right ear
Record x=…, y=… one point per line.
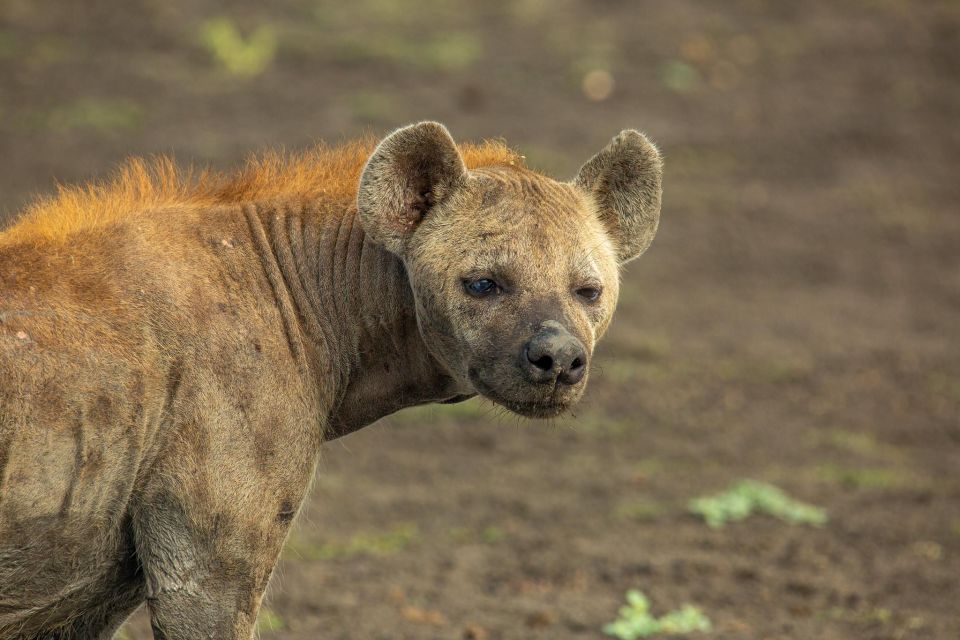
x=624, y=180
x=409, y=173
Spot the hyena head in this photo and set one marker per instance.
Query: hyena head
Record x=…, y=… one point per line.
x=515, y=275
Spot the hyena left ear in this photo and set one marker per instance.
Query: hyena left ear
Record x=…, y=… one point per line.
x=624, y=180
x=410, y=172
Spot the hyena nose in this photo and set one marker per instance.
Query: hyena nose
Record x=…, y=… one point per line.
x=553, y=354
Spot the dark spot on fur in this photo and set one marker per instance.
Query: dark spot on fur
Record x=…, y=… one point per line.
x=286, y=513
x=264, y=449
x=244, y=400
x=257, y=347
x=174, y=377
x=137, y=395
x=78, y=463
x=100, y=413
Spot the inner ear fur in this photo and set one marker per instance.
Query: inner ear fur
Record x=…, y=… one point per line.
x=408, y=174
x=625, y=181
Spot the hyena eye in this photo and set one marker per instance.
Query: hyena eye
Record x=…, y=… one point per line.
x=481, y=287
x=590, y=294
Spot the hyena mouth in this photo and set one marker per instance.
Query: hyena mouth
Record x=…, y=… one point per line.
x=549, y=406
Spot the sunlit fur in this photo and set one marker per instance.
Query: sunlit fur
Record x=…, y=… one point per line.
x=141, y=185
x=176, y=345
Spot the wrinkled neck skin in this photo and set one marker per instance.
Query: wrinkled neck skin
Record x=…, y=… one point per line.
x=349, y=314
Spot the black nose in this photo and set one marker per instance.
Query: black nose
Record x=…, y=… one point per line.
x=554, y=354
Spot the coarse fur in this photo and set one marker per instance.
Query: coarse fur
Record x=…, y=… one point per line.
x=330, y=172
x=175, y=346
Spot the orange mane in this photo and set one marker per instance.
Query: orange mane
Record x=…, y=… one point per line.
x=139, y=185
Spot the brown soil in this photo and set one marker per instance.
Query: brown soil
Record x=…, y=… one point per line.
x=796, y=320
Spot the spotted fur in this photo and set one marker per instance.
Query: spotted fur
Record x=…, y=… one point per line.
x=175, y=346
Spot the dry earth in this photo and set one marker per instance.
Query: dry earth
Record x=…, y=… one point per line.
x=796, y=320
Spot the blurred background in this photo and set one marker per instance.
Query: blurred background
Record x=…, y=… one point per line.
x=795, y=322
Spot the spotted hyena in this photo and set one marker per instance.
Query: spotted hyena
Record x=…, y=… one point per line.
x=174, y=349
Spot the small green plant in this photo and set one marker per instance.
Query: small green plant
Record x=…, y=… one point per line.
x=239, y=56
x=636, y=621
x=746, y=497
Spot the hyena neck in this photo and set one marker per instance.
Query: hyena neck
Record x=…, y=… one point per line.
x=349, y=305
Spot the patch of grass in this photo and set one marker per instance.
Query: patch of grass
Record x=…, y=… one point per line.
x=370, y=544
x=269, y=621
x=244, y=57
x=636, y=621
x=863, y=444
x=860, y=478
x=639, y=510
x=488, y=535
x=747, y=497
x=104, y=116
x=452, y=51
x=879, y=615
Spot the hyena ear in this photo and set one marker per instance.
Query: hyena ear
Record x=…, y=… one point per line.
x=624, y=180
x=410, y=172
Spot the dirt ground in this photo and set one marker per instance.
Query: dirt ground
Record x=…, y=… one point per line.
x=796, y=320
